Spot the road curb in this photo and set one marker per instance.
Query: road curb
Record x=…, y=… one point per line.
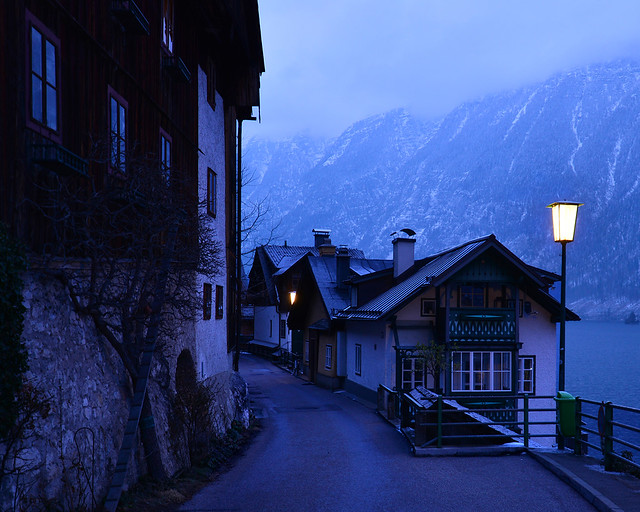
x=593, y=496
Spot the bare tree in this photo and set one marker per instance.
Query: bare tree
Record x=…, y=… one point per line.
x=128, y=250
x=257, y=217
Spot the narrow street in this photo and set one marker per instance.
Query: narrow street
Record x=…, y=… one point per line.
x=323, y=451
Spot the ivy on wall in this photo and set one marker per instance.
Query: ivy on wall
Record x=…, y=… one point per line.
x=13, y=354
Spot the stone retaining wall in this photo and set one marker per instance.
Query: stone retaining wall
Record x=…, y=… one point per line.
x=70, y=458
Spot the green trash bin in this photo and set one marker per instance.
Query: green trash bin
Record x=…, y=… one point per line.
x=566, y=405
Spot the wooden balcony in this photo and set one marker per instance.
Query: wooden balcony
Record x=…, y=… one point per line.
x=482, y=325
x=55, y=157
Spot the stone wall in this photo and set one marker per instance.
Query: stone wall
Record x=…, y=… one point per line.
x=71, y=457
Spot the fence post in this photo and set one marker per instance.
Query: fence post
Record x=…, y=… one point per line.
x=526, y=421
x=577, y=445
x=439, y=421
x=608, y=436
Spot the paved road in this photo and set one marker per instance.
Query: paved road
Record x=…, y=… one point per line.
x=323, y=451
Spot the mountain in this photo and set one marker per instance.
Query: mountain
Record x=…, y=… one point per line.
x=489, y=166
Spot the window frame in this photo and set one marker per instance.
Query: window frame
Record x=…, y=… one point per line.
x=207, y=301
x=122, y=106
x=219, y=301
x=357, y=366
x=521, y=370
x=212, y=192
x=473, y=292
x=467, y=372
x=409, y=371
x=42, y=126
x=166, y=142
x=167, y=27
x=328, y=356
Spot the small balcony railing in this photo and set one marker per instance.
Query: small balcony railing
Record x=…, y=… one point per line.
x=472, y=325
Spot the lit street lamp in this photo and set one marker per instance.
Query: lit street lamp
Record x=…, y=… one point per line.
x=564, y=215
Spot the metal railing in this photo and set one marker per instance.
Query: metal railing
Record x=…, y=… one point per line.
x=471, y=419
x=610, y=424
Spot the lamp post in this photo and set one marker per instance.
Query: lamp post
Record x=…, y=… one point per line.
x=564, y=215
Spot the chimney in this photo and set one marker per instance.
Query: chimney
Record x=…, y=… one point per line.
x=403, y=251
x=321, y=237
x=342, y=266
x=327, y=248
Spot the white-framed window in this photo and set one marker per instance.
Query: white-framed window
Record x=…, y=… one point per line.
x=526, y=374
x=413, y=374
x=481, y=371
x=328, y=360
x=358, y=359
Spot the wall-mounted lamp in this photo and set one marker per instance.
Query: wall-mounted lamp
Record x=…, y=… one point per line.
x=292, y=297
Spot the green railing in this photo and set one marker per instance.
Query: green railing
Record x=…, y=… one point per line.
x=495, y=324
x=616, y=427
x=438, y=423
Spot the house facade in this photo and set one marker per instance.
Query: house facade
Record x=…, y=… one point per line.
x=95, y=93
x=483, y=318
x=273, y=281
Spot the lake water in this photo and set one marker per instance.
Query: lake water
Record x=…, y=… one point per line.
x=603, y=364
x=603, y=361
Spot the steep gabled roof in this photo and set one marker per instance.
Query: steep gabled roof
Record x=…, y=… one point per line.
x=435, y=270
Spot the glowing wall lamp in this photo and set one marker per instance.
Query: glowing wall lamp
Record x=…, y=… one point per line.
x=292, y=297
x=564, y=215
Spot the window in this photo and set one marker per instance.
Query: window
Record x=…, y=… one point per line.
x=283, y=329
x=328, y=360
x=43, y=70
x=306, y=351
x=118, y=131
x=165, y=157
x=412, y=373
x=481, y=371
x=211, y=84
x=206, y=301
x=472, y=296
x=428, y=307
x=358, y=360
x=526, y=374
x=212, y=185
x=219, y=301
x=167, y=25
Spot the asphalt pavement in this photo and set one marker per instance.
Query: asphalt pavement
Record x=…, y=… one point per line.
x=323, y=451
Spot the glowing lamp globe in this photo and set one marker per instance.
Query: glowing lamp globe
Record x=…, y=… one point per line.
x=564, y=215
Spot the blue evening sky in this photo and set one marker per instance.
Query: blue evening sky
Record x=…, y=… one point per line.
x=330, y=63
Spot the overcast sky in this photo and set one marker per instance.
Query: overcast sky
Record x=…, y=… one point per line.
x=330, y=63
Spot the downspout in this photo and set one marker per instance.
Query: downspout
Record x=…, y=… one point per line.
x=236, y=357
x=396, y=340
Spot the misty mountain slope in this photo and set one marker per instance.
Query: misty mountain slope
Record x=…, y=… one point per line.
x=489, y=166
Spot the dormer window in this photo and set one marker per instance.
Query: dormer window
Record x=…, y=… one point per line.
x=167, y=25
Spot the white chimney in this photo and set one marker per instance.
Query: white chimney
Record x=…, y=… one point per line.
x=403, y=254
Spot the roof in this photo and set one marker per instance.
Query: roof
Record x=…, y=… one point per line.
x=421, y=279
x=434, y=270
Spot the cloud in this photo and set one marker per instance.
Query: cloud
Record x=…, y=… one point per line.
x=330, y=63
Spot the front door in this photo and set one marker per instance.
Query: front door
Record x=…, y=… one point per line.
x=313, y=354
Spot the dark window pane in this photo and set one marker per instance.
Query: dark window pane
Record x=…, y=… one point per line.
x=52, y=108
x=36, y=98
x=36, y=52
x=50, y=52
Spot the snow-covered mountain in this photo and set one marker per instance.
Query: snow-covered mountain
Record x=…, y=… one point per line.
x=489, y=166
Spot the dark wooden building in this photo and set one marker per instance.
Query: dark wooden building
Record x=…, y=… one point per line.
x=87, y=86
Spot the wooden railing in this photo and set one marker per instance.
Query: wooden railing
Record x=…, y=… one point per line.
x=496, y=324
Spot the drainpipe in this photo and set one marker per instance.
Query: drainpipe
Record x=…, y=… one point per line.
x=236, y=357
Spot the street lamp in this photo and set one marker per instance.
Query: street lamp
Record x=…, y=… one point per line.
x=564, y=215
